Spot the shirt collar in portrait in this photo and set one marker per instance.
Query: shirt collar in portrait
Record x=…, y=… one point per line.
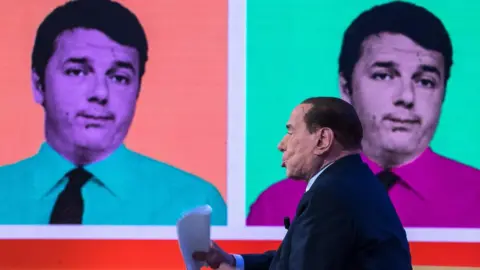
x=420, y=168
x=113, y=172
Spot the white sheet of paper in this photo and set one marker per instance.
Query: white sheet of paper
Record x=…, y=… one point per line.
x=193, y=231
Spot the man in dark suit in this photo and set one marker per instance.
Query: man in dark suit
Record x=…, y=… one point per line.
x=345, y=219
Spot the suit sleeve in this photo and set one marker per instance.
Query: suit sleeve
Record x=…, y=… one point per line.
x=258, y=261
x=324, y=234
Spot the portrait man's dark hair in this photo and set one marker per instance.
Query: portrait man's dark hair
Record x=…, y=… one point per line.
x=398, y=17
x=111, y=18
x=337, y=115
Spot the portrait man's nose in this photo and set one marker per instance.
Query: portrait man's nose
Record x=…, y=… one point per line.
x=404, y=95
x=99, y=91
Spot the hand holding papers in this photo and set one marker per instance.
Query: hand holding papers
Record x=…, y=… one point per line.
x=193, y=231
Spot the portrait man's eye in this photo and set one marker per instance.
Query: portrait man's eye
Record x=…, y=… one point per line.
x=426, y=83
x=382, y=76
x=75, y=72
x=121, y=79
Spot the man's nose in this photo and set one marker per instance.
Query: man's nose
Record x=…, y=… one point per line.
x=281, y=145
x=405, y=94
x=100, y=91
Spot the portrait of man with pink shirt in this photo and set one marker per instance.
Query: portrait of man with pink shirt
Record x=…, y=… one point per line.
x=394, y=67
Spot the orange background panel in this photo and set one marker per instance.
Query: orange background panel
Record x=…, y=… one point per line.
x=182, y=110
x=161, y=254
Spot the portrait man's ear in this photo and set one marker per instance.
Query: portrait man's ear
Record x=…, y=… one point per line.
x=37, y=88
x=345, y=93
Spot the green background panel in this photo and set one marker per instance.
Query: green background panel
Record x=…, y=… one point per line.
x=292, y=51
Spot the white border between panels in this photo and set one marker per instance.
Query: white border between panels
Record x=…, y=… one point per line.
x=443, y=235
x=218, y=233
x=236, y=201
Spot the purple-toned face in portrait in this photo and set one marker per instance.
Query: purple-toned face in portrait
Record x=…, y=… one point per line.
x=397, y=89
x=90, y=91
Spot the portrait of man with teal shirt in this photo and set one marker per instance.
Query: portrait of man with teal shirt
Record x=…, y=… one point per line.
x=87, y=68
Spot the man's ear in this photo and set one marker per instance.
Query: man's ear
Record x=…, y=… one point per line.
x=345, y=92
x=325, y=139
x=37, y=88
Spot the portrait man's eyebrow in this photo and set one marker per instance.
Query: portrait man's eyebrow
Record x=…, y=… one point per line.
x=124, y=65
x=396, y=77
x=384, y=64
x=393, y=64
x=430, y=69
x=83, y=173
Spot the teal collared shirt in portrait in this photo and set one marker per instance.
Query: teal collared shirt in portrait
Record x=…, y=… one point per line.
x=127, y=189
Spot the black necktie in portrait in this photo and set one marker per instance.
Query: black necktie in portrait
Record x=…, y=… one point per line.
x=69, y=207
x=388, y=178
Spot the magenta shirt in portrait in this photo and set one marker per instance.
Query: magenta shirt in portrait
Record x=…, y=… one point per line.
x=434, y=192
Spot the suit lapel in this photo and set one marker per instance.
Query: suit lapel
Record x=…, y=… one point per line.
x=302, y=205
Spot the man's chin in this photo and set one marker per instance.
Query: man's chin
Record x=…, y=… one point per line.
x=400, y=142
x=93, y=144
x=401, y=147
x=91, y=147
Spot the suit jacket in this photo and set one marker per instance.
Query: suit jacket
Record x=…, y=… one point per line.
x=344, y=221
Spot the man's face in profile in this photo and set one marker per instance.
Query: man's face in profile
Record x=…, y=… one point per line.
x=298, y=145
x=90, y=90
x=397, y=90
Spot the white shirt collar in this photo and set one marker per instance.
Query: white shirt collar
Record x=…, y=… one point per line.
x=312, y=180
